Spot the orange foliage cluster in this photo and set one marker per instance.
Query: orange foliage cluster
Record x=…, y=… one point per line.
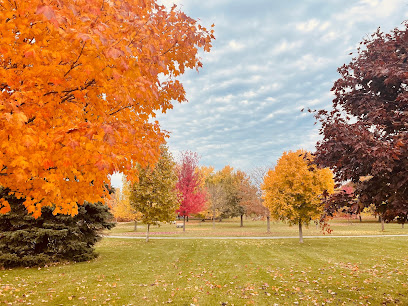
x=79, y=82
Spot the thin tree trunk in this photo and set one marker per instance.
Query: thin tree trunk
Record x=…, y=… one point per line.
x=382, y=224
x=242, y=220
x=135, y=229
x=268, y=224
x=300, y=232
x=147, y=233
x=213, y=216
x=402, y=225
x=359, y=216
x=187, y=218
x=184, y=224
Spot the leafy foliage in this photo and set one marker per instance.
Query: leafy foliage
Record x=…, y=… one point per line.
x=344, y=200
x=65, y=124
x=155, y=195
x=207, y=211
x=250, y=199
x=25, y=241
x=295, y=188
x=231, y=193
x=217, y=197
x=122, y=209
x=366, y=133
x=230, y=182
x=193, y=197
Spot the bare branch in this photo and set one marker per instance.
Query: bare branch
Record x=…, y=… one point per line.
x=74, y=64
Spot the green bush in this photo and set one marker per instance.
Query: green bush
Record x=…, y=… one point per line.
x=25, y=241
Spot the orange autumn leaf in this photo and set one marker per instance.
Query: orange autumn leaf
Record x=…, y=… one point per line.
x=79, y=85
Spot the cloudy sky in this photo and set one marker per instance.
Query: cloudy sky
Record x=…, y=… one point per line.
x=270, y=59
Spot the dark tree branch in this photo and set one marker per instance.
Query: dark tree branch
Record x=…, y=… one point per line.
x=74, y=64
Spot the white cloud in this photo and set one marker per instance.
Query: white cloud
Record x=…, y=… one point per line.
x=332, y=35
x=308, y=26
x=269, y=61
x=369, y=11
x=311, y=62
x=285, y=46
x=235, y=46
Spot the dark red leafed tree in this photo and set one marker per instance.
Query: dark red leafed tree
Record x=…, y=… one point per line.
x=343, y=200
x=365, y=136
x=193, y=197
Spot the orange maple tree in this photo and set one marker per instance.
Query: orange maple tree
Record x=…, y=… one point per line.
x=79, y=83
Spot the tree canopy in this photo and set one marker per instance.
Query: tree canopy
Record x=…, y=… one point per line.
x=230, y=182
x=65, y=124
x=155, y=195
x=294, y=190
x=365, y=135
x=193, y=195
x=121, y=208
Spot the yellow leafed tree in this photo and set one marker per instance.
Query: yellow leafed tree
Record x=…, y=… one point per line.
x=122, y=210
x=293, y=191
x=205, y=174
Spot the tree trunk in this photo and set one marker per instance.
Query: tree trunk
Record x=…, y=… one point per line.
x=147, y=233
x=300, y=232
x=213, y=222
x=382, y=224
x=402, y=225
x=135, y=229
x=184, y=224
x=187, y=218
x=242, y=220
x=359, y=216
x=268, y=224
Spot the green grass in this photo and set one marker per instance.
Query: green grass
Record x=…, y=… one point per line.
x=212, y=272
x=231, y=227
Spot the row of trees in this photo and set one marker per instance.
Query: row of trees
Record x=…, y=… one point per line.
x=184, y=189
x=231, y=193
x=294, y=191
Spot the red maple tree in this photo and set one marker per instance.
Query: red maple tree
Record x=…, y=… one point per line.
x=193, y=197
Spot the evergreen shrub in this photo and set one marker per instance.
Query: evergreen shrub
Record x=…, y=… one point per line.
x=26, y=241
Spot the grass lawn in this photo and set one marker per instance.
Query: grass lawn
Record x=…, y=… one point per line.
x=231, y=227
x=221, y=272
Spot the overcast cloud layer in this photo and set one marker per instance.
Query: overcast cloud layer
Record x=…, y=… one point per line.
x=270, y=59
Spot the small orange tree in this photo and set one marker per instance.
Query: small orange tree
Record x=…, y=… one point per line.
x=293, y=191
x=79, y=83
